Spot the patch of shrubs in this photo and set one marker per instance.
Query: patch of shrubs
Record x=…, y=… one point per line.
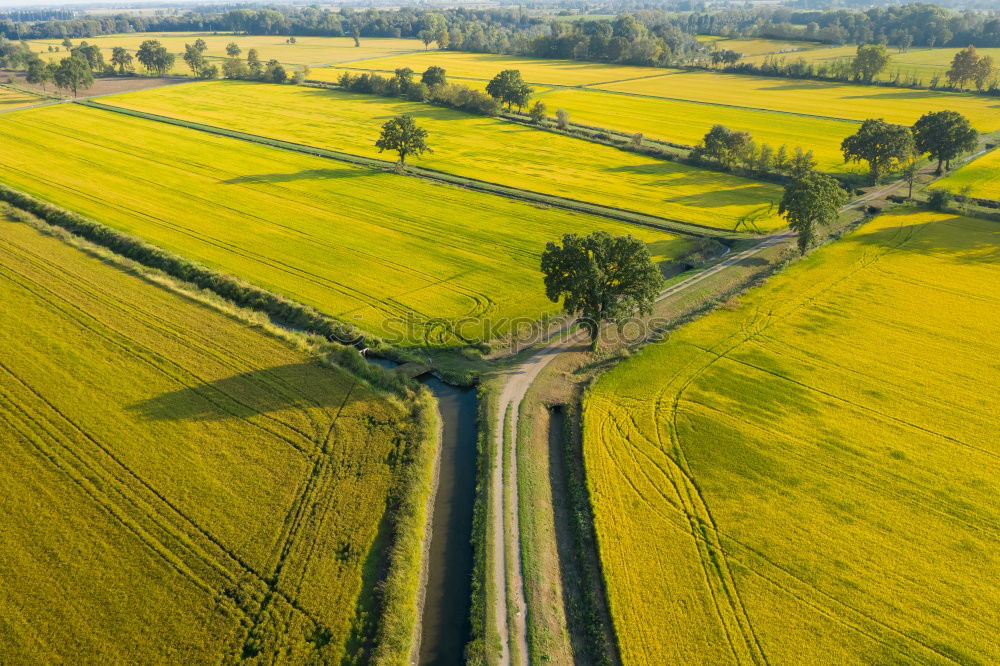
x=438, y=92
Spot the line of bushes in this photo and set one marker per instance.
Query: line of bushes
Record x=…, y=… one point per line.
x=482, y=639
x=840, y=71
x=452, y=95
x=399, y=599
x=242, y=294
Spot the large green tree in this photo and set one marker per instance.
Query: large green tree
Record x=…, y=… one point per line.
x=509, y=88
x=944, y=135
x=601, y=278
x=883, y=145
x=433, y=76
x=195, y=59
x=73, y=74
x=811, y=200
x=155, y=57
x=870, y=61
x=121, y=60
x=39, y=73
x=402, y=136
x=963, y=67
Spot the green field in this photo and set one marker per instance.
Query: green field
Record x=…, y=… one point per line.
x=471, y=146
x=810, y=476
x=178, y=487
x=311, y=51
x=757, y=47
x=373, y=248
x=923, y=63
x=981, y=178
x=819, y=98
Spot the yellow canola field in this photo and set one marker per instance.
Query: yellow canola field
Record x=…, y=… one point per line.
x=819, y=98
x=398, y=257
x=980, y=178
x=11, y=98
x=178, y=487
x=811, y=476
x=311, y=51
x=486, y=149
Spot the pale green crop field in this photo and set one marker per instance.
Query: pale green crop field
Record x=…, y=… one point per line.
x=310, y=51
x=981, y=177
x=820, y=98
x=754, y=47
x=178, y=487
x=390, y=254
x=922, y=62
x=811, y=475
x=534, y=70
x=472, y=146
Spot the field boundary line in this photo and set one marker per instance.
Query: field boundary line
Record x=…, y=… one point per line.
x=574, y=205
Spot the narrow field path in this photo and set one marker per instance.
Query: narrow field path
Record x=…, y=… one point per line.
x=516, y=382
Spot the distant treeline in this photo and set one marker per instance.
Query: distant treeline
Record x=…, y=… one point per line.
x=643, y=37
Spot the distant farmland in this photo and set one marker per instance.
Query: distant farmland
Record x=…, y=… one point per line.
x=177, y=486
x=304, y=226
x=305, y=51
x=473, y=147
x=819, y=98
x=809, y=476
x=981, y=178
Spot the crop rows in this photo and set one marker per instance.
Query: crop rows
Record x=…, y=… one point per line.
x=806, y=478
x=426, y=257
x=471, y=147
x=203, y=490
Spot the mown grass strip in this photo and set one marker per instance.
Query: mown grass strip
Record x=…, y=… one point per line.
x=565, y=203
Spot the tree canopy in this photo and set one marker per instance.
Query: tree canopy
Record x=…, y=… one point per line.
x=601, y=278
x=73, y=74
x=433, y=76
x=509, y=88
x=883, y=145
x=810, y=200
x=944, y=135
x=154, y=57
x=402, y=136
x=870, y=61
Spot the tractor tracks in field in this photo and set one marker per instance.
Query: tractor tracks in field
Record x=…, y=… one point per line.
x=504, y=500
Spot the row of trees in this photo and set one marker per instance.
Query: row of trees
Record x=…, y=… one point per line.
x=432, y=87
x=732, y=150
x=943, y=135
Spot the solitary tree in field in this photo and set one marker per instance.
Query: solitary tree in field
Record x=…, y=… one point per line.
x=233, y=50
x=562, y=118
x=433, y=76
x=121, y=60
x=883, y=145
x=944, y=135
x=870, y=61
x=194, y=58
x=426, y=36
x=811, y=200
x=254, y=65
x=356, y=35
x=402, y=136
x=155, y=57
x=963, y=67
x=73, y=74
x=509, y=88
x=601, y=279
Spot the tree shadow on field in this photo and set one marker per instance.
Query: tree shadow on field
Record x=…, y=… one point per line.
x=292, y=386
x=311, y=174
x=755, y=194
x=961, y=239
